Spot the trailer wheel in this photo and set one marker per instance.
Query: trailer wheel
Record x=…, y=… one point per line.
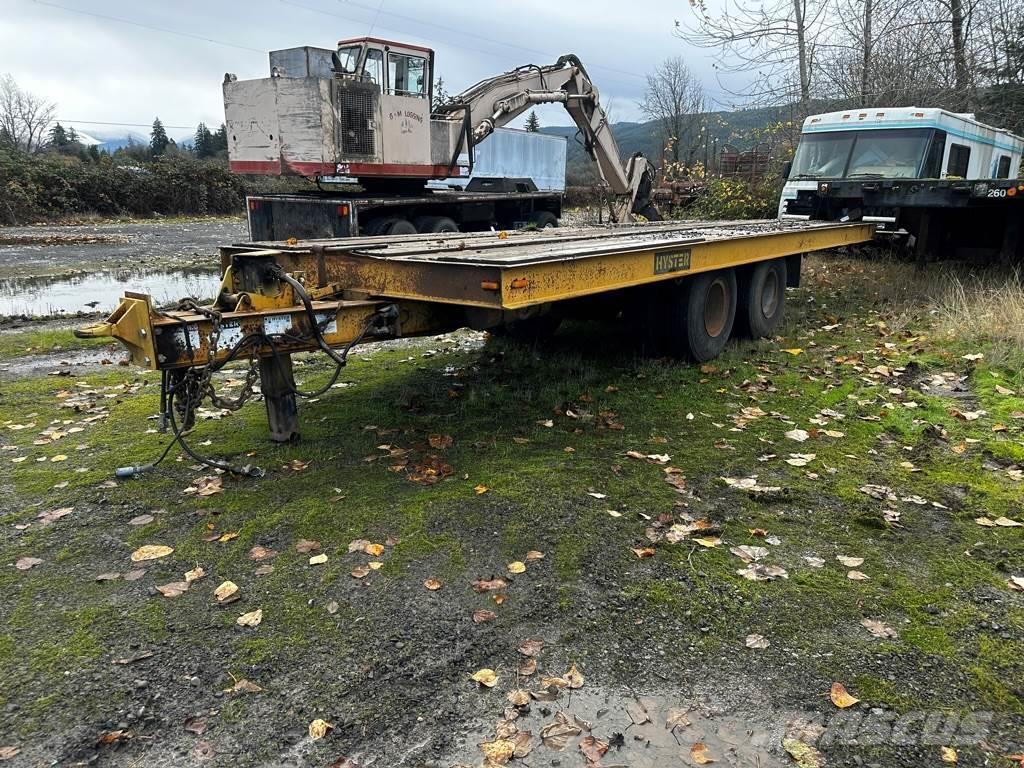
x=433, y=224
x=543, y=219
x=763, y=298
x=700, y=324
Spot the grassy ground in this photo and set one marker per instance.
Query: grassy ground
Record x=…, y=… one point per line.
x=904, y=412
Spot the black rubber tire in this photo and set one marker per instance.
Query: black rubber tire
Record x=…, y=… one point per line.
x=543, y=219
x=434, y=224
x=762, y=299
x=701, y=321
x=374, y=227
x=399, y=227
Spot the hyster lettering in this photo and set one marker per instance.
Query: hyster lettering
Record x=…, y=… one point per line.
x=673, y=261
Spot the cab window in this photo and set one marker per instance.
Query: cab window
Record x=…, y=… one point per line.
x=959, y=160
x=407, y=75
x=348, y=59
x=373, y=69
x=1003, y=168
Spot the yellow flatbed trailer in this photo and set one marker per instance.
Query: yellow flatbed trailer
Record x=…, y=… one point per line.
x=691, y=283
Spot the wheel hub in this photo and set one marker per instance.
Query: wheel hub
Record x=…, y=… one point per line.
x=716, y=308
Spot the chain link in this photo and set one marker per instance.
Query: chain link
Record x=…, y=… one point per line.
x=200, y=380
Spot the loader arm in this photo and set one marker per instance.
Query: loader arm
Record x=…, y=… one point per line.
x=493, y=102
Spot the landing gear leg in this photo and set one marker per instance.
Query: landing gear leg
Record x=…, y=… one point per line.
x=278, y=385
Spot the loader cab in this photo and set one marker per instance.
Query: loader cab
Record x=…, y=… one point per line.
x=384, y=105
x=398, y=69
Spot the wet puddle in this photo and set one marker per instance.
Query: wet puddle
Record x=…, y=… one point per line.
x=100, y=291
x=639, y=731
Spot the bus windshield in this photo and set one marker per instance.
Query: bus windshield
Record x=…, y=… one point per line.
x=891, y=153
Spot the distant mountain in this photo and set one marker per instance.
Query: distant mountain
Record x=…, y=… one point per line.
x=727, y=127
x=113, y=138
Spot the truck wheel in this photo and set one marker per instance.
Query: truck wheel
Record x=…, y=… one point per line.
x=543, y=219
x=763, y=298
x=700, y=324
x=433, y=224
x=398, y=227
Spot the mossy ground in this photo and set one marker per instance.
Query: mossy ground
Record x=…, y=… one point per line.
x=389, y=663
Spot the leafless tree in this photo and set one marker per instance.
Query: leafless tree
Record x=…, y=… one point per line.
x=24, y=117
x=775, y=41
x=675, y=101
x=891, y=54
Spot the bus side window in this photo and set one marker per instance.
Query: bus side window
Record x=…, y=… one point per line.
x=959, y=160
x=1003, y=169
x=933, y=161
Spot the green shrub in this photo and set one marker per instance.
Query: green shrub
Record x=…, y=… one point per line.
x=738, y=199
x=51, y=186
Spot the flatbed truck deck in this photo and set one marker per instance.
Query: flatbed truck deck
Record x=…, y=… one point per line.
x=690, y=285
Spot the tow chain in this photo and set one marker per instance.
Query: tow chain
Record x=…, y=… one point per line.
x=198, y=381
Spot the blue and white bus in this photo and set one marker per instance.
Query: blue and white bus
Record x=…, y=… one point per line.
x=897, y=143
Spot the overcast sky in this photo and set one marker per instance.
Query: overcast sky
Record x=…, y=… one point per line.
x=101, y=69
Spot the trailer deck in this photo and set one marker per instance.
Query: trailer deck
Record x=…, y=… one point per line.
x=280, y=298
x=523, y=269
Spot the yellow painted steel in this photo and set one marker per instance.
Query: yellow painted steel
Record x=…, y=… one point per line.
x=558, y=280
x=431, y=296
x=131, y=324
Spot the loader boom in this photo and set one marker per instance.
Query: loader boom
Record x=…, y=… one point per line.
x=496, y=101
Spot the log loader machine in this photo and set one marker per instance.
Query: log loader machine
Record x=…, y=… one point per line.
x=363, y=113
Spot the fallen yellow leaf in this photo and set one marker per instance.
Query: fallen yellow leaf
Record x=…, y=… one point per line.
x=225, y=590
x=486, y=677
x=432, y=584
x=251, y=619
x=151, y=552
x=949, y=755
x=841, y=697
x=574, y=677
x=498, y=752
x=318, y=729
x=708, y=541
x=318, y=559
x=516, y=567
x=699, y=754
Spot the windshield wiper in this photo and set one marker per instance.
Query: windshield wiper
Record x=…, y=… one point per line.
x=866, y=176
x=807, y=176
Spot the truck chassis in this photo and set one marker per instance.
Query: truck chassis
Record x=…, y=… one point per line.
x=947, y=217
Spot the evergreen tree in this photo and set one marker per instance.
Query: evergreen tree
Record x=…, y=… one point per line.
x=532, y=123
x=94, y=153
x=220, y=139
x=5, y=138
x=58, y=137
x=202, y=146
x=158, y=140
x=72, y=136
